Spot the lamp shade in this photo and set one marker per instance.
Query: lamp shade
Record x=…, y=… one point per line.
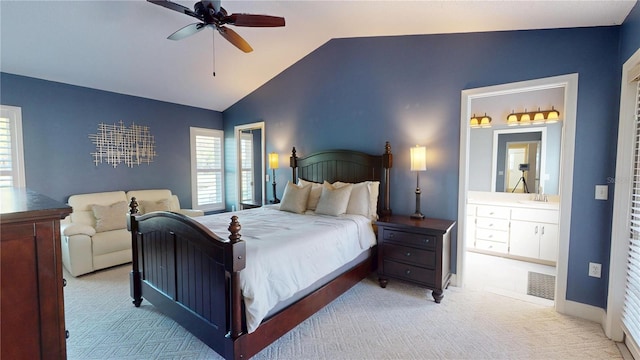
x=418, y=158
x=273, y=160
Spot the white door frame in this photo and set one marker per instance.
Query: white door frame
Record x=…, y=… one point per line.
x=621, y=204
x=570, y=85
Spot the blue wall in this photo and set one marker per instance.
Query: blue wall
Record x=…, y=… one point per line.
x=630, y=34
x=359, y=93
x=58, y=118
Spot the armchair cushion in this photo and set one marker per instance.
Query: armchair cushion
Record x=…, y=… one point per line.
x=148, y=206
x=112, y=217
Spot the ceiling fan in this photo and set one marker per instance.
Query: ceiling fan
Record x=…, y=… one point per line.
x=211, y=14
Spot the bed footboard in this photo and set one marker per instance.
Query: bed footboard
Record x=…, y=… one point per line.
x=190, y=274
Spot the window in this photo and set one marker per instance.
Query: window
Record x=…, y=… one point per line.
x=207, y=186
x=630, y=313
x=246, y=161
x=11, y=153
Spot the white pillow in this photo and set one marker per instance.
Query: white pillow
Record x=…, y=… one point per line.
x=334, y=201
x=314, y=195
x=374, y=192
x=364, y=198
x=295, y=198
x=359, y=199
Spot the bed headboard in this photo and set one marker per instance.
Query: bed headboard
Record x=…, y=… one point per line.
x=347, y=166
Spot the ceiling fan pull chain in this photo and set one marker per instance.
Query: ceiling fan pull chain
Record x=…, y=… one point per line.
x=213, y=51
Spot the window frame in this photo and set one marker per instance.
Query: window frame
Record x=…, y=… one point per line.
x=14, y=114
x=195, y=132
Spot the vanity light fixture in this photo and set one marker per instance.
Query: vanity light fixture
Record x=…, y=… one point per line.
x=485, y=121
x=273, y=164
x=512, y=119
x=533, y=117
x=480, y=121
x=475, y=122
x=418, y=163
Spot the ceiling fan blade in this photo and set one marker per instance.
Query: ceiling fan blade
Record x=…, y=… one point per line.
x=187, y=31
x=235, y=39
x=175, y=7
x=253, y=20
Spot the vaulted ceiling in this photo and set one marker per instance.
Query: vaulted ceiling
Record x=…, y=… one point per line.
x=121, y=46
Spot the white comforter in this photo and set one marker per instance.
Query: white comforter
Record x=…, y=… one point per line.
x=287, y=252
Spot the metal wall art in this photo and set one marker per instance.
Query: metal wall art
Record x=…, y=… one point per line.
x=133, y=145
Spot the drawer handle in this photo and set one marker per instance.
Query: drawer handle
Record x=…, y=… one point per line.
x=392, y=235
x=407, y=272
x=426, y=241
x=408, y=254
x=490, y=236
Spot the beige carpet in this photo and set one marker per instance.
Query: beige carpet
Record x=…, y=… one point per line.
x=367, y=322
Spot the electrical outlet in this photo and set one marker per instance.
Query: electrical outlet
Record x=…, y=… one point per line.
x=595, y=270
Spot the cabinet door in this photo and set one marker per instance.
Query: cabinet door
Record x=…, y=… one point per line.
x=549, y=242
x=524, y=239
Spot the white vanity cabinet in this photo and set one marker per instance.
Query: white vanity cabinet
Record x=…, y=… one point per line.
x=492, y=228
x=534, y=233
x=515, y=230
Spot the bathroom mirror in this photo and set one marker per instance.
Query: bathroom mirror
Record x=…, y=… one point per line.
x=250, y=150
x=493, y=169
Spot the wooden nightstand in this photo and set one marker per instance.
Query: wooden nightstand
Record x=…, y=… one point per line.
x=417, y=251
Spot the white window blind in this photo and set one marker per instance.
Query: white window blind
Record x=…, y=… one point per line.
x=246, y=161
x=11, y=152
x=631, y=309
x=207, y=184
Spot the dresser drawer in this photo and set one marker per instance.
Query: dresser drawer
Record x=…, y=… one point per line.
x=410, y=255
x=492, y=224
x=407, y=238
x=496, y=212
x=492, y=235
x=410, y=273
x=491, y=246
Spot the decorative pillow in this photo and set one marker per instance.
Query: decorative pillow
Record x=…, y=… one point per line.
x=112, y=217
x=364, y=198
x=334, y=201
x=374, y=192
x=160, y=205
x=314, y=195
x=295, y=198
x=359, y=199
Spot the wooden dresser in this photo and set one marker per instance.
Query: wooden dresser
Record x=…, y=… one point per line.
x=417, y=251
x=32, y=302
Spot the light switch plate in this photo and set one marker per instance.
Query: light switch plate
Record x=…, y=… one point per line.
x=602, y=192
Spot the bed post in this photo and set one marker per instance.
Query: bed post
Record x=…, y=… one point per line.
x=134, y=276
x=233, y=265
x=387, y=163
x=293, y=162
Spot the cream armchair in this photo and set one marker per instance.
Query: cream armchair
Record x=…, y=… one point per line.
x=95, y=235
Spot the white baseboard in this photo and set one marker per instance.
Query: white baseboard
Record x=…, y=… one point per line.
x=584, y=311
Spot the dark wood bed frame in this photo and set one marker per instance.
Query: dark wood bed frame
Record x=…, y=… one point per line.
x=192, y=275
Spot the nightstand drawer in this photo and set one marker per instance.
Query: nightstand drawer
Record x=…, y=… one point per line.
x=407, y=238
x=410, y=273
x=410, y=255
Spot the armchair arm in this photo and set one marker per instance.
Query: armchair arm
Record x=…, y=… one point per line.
x=77, y=229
